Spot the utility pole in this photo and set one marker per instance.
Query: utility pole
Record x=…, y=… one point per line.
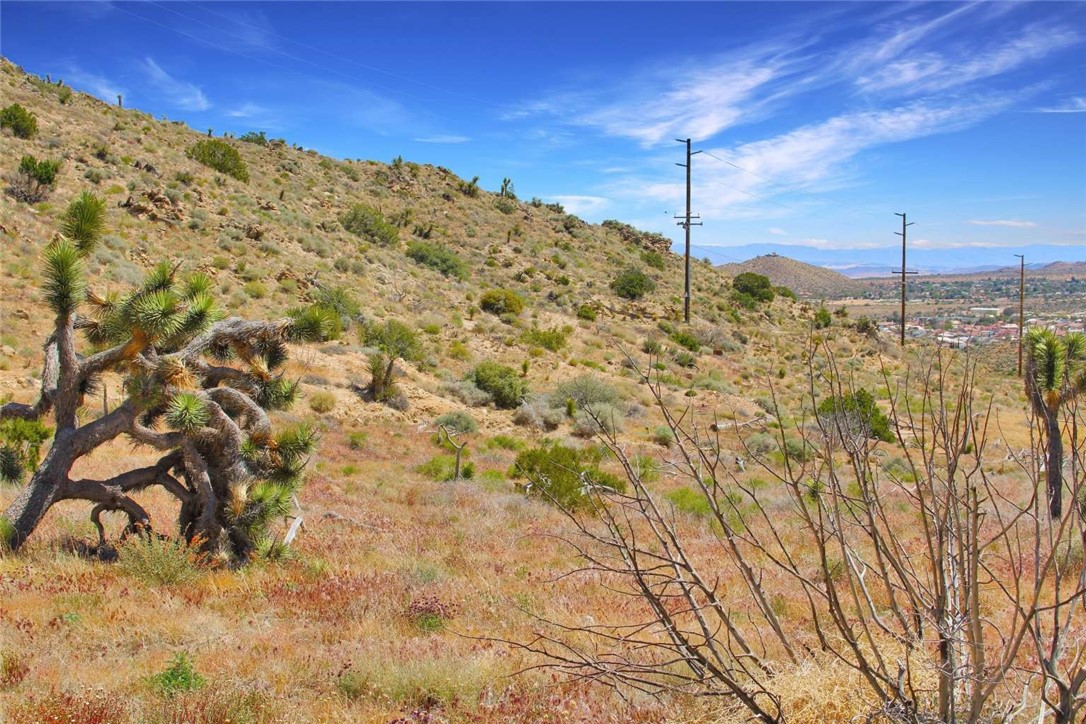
x=904, y=227
x=686, y=223
x=1021, y=307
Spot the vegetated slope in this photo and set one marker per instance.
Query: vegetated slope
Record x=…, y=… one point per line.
x=358, y=625
x=806, y=280
x=271, y=242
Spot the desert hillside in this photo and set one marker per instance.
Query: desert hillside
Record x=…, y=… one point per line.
x=722, y=481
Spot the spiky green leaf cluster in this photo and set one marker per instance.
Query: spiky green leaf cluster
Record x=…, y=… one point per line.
x=157, y=312
x=186, y=412
x=20, y=447
x=83, y=221
x=315, y=323
x=65, y=287
x=276, y=393
x=1056, y=370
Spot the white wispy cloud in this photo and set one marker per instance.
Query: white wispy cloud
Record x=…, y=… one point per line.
x=702, y=104
x=247, y=110
x=959, y=64
x=1071, y=105
x=182, y=94
x=96, y=85
x=1012, y=223
x=443, y=139
x=777, y=232
x=579, y=205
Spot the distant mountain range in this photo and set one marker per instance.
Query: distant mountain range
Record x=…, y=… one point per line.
x=860, y=263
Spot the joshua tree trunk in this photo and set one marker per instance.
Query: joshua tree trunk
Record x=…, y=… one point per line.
x=1054, y=463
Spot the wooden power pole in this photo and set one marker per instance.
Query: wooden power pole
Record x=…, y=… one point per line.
x=904, y=227
x=686, y=223
x=1021, y=307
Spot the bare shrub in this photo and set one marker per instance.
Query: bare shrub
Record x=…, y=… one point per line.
x=949, y=593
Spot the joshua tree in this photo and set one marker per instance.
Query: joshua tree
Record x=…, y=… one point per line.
x=1055, y=373
x=507, y=189
x=198, y=389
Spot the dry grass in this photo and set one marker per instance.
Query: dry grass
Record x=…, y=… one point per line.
x=331, y=634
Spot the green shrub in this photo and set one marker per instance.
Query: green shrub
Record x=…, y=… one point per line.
x=690, y=501
x=663, y=436
x=749, y=289
x=23, y=123
x=501, y=382
x=438, y=257
x=785, y=292
x=586, y=312
x=686, y=339
x=221, y=156
x=255, y=289
x=822, y=318
x=855, y=413
x=653, y=258
x=501, y=301
x=632, y=284
x=563, y=475
x=553, y=339
x=506, y=205
x=254, y=137
x=457, y=421
x=442, y=468
x=35, y=179
x=158, y=561
x=370, y=224
x=585, y=391
x=322, y=401
x=179, y=676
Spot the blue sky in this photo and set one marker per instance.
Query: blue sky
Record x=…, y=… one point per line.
x=816, y=120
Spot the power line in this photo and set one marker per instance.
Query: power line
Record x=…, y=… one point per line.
x=904, y=228
x=686, y=223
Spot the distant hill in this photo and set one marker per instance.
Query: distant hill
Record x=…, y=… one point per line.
x=881, y=261
x=806, y=280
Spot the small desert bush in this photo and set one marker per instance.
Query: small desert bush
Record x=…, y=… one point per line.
x=157, y=561
x=442, y=468
x=501, y=301
x=585, y=391
x=586, y=312
x=653, y=258
x=552, y=339
x=180, y=676
x=439, y=258
x=501, y=382
x=467, y=392
x=563, y=475
x=686, y=339
x=256, y=289
x=690, y=502
x=457, y=422
x=322, y=401
x=34, y=179
x=23, y=123
x=663, y=436
x=221, y=156
x=369, y=224
x=632, y=284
